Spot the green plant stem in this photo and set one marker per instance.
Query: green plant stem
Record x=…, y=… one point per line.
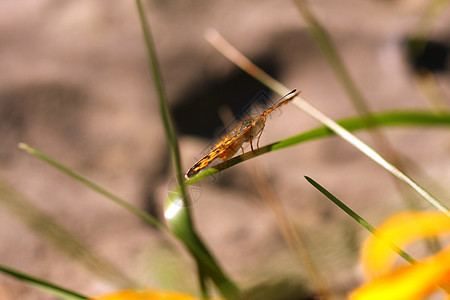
x=162, y=99
x=401, y=118
x=217, y=41
x=181, y=223
x=42, y=284
x=330, y=52
x=93, y=186
x=371, y=153
x=207, y=267
x=325, y=44
x=191, y=241
x=46, y=227
x=360, y=220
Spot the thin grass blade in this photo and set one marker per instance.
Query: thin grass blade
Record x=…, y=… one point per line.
x=181, y=221
x=358, y=218
x=47, y=228
x=93, y=186
x=328, y=49
x=42, y=284
x=217, y=41
x=393, y=118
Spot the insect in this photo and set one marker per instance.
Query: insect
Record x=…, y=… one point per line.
x=244, y=132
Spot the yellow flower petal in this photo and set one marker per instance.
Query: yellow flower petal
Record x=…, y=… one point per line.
x=377, y=256
x=410, y=282
x=145, y=295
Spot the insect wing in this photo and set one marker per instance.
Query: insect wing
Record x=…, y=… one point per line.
x=231, y=142
x=223, y=149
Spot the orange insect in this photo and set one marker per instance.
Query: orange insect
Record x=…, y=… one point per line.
x=244, y=132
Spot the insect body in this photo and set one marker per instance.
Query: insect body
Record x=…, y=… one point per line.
x=244, y=132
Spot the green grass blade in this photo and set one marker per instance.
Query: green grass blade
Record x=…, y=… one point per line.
x=181, y=222
x=328, y=49
x=334, y=59
x=358, y=219
x=162, y=99
x=207, y=265
x=392, y=118
x=191, y=240
x=42, y=284
x=93, y=186
x=245, y=64
x=47, y=228
x=372, y=154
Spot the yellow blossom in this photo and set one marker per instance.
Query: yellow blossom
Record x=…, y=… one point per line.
x=148, y=294
x=408, y=282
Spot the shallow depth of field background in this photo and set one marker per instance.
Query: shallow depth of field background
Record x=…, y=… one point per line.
x=74, y=83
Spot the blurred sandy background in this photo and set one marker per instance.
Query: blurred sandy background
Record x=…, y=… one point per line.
x=74, y=83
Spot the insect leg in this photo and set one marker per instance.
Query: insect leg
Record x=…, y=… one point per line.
x=259, y=136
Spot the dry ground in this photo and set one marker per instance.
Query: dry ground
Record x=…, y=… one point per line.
x=75, y=84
